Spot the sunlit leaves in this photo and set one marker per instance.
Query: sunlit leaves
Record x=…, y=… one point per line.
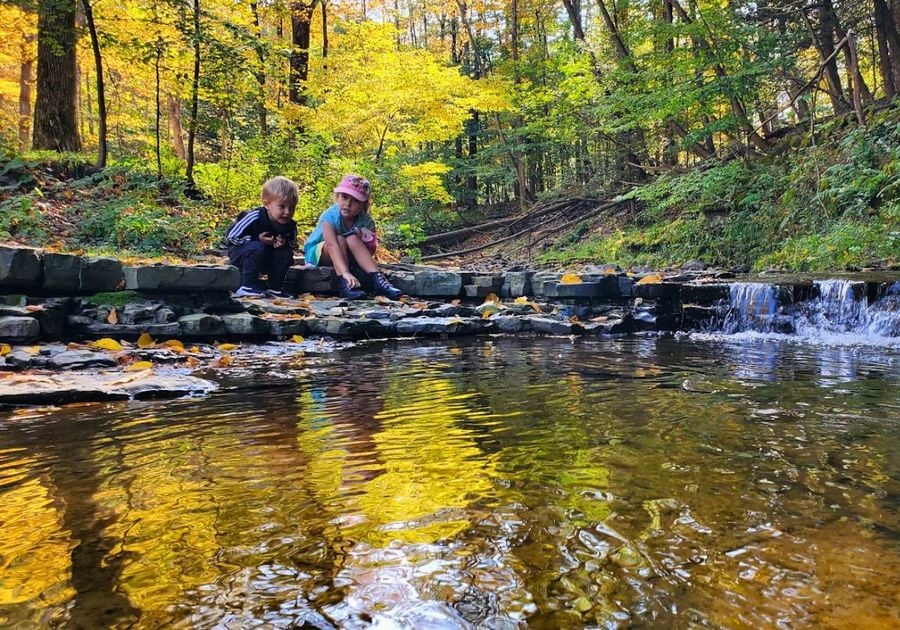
x=570, y=278
x=653, y=278
x=106, y=344
x=145, y=341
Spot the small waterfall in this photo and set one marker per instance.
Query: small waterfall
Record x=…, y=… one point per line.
x=754, y=306
x=837, y=308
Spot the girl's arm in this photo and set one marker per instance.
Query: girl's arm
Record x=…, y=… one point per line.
x=338, y=260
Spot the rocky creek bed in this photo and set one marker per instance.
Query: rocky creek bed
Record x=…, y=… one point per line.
x=61, y=312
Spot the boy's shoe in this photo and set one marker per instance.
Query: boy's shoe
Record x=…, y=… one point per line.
x=245, y=291
x=350, y=294
x=383, y=287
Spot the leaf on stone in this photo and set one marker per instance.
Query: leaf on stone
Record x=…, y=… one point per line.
x=420, y=305
x=195, y=349
x=609, y=271
x=225, y=360
x=380, y=299
x=106, y=344
x=521, y=300
x=570, y=278
x=137, y=366
x=174, y=344
x=536, y=307
x=5, y=349
x=145, y=341
x=653, y=278
x=487, y=314
x=297, y=339
x=491, y=298
x=227, y=347
x=455, y=302
x=113, y=317
x=34, y=308
x=193, y=361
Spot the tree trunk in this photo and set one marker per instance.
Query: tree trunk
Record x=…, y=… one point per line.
x=825, y=13
x=55, y=125
x=101, y=94
x=195, y=99
x=175, y=126
x=26, y=78
x=888, y=48
x=260, y=73
x=301, y=17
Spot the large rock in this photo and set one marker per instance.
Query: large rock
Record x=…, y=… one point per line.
x=201, y=325
x=80, y=359
x=17, y=329
x=19, y=267
x=603, y=287
x=62, y=273
x=311, y=280
x=245, y=324
x=440, y=326
x=516, y=284
x=657, y=291
x=182, y=278
x=437, y=283
x=74, y=387
x=349, y=328
x=510, y=324
x=550, y=326
x=101, y=274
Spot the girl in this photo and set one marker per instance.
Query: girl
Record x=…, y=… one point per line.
x=344, y=235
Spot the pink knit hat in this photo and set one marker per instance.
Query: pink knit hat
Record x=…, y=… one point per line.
x=355, y=186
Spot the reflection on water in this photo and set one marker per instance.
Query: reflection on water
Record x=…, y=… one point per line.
x=494, y=483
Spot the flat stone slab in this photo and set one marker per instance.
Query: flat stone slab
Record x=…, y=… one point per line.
x=431, y=326
x=35, y=389
x=182, y=278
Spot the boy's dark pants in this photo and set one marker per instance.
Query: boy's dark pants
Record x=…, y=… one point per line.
x=254, y=258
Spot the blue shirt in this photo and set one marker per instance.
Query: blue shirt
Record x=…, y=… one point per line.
x=333, y=216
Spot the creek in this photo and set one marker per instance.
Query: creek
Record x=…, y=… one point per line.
x=724, y=480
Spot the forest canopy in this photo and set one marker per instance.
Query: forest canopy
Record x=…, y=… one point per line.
x=444, y=105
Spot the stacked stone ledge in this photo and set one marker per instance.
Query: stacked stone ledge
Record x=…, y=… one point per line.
x=69, y=297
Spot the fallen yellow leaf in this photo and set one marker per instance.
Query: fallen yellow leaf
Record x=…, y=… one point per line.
x=106, y=344
x=380, y=299
x=193, y=361
x=570, y=278
x=521, y=300
x=173, y=343
x=487, y=314
x=491, y=298
x=5, y=349
x=224, y=361
x=653, y=278
x=297, y=339
x=113, y=317
x=34, y=308
x=145, y=341
x=227, y=347
x=195, y=349
x=138, y=365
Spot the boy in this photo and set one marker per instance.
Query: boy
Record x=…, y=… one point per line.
x=263, y=240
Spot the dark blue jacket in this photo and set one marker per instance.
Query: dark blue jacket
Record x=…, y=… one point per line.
x=250, y=224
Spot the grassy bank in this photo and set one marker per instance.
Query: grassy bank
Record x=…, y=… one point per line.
x=827, y=200
x=830, y=201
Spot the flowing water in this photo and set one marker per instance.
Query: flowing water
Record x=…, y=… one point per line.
x=492, y=483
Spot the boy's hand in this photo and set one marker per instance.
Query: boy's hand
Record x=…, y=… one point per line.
x=280, y=241
x=352, y=282
x=267, y=238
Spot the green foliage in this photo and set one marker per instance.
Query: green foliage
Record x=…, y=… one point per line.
x=22, y=220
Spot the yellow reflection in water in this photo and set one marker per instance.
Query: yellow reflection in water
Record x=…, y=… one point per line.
x=432, y=466
x=34, y=552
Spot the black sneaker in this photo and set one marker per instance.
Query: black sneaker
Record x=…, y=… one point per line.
x=383, y=287
x=350, y=294
x=277, y=293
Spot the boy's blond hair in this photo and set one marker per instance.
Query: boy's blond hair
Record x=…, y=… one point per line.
x=281, y=188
